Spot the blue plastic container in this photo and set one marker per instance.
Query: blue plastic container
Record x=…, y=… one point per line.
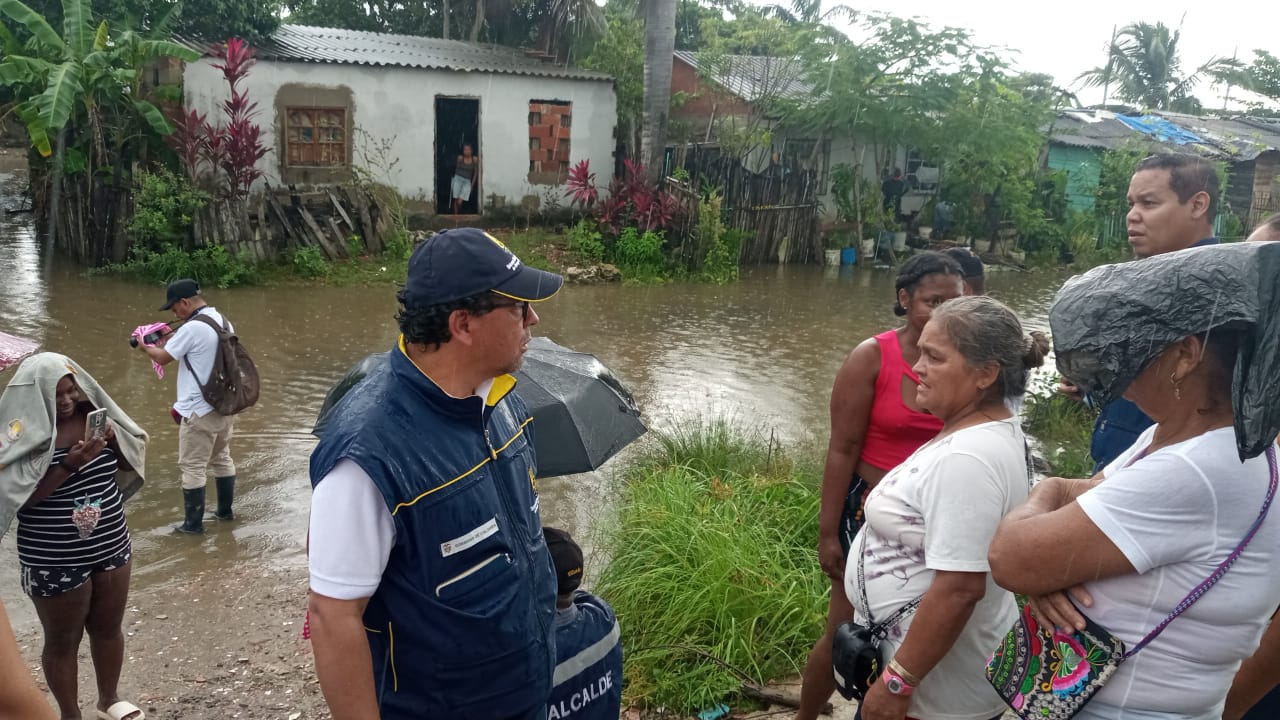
x=849, y=256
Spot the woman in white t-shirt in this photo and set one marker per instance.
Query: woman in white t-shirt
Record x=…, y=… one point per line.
x=930, y=520
x=1149, y=528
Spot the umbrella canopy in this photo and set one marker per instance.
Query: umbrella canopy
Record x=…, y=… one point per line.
x=583, y=413
x=13, y=349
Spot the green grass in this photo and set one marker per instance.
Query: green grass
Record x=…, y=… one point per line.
x=713, y=573
x=1063, y=426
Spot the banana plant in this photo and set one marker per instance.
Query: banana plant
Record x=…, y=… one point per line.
x=80, y=74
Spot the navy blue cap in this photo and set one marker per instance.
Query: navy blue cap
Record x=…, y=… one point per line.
x=180, y=290
x=462, y=262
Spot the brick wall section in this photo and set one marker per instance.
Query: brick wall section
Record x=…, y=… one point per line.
x=703, y=97
x=550, y=128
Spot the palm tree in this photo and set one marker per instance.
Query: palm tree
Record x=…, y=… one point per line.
x=1144, y=64
x=659, y=49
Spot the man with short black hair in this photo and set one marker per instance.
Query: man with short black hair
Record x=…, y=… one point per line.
x=975, y=282
x=1173, y=200
x=432, y=592
x=588, y=678
x=204, y=436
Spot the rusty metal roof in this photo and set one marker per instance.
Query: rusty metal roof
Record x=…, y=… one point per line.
x=305, y=43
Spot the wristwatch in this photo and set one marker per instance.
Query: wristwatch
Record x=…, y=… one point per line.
x=896, y=684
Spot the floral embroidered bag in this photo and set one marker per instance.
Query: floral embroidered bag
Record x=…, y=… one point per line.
x=1046, y=674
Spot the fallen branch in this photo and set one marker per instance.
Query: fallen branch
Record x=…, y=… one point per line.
x=777, y=697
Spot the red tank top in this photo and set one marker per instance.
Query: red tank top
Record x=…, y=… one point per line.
x=895, y=430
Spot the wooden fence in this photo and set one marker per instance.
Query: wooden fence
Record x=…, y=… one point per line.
x=283, y=219
x=778, y=208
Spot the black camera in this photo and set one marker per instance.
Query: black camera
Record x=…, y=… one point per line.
x=150, y=338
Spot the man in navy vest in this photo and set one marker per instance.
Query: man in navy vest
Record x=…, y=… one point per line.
x=1173, y=200
x=432, y=591
x=588, y=677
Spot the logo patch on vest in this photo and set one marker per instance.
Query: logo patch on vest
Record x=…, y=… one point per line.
x=471, y=539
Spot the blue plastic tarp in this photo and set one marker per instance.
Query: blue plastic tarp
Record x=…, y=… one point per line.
x=1160, y=129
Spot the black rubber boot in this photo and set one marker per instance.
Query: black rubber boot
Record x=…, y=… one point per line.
x=193, y=518
x=226, y=493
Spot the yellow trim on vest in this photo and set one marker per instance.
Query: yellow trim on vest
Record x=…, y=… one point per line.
x=463, y=475
x=395, y=678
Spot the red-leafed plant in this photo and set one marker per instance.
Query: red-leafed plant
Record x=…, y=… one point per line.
x=581, y=185
x=632, y=200
x=190, y=140
x=243, y=147
x=235, y=146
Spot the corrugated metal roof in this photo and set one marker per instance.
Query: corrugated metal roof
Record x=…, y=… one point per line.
x=305, y=43
x=753, y=77
x=1099, y=129
x=1244, y=138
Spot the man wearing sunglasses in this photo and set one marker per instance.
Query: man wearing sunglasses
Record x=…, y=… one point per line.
x=432, y=590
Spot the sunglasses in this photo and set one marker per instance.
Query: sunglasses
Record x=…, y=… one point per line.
x=522, y=304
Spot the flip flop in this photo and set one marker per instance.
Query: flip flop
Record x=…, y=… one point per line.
x=122, y=710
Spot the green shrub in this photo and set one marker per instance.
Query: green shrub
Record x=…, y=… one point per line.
x=355, y=246
x=639, y=255
x=163, y=206
x=713, y=571
x=721, y=262
x=398, y=245
x=585, y=242
x=210, y=266
x=309, y=262
x=1063, y=428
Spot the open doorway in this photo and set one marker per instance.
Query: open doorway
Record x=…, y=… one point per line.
x=457, y=124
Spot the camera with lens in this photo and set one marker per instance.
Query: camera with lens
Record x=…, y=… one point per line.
x=151, y=337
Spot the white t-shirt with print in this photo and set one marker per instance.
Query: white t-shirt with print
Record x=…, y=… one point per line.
x=1176, y=515
x=938, y=510
x=199, y=342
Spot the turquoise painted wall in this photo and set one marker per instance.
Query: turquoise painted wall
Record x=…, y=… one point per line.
x=1083, y=167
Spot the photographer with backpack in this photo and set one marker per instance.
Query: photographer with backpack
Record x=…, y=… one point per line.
x=216, y=380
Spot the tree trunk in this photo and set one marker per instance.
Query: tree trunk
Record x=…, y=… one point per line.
x=659, y=49
x=479, y=22
x=444, y=16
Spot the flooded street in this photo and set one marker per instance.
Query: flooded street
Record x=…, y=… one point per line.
x=763, y=351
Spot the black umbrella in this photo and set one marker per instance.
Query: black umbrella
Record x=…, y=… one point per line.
x=583, y=414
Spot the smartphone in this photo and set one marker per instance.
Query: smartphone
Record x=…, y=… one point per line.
x=96, y=425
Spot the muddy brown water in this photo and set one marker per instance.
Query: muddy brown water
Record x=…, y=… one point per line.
x=762, y=351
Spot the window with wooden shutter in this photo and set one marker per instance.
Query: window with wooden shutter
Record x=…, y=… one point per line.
x=316, y=137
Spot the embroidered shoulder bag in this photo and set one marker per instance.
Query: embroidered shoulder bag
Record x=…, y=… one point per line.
x=1046, y=674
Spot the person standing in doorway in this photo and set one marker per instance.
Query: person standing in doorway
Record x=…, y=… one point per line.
x=466, y=173
x=1173, y=200
x=204, y=436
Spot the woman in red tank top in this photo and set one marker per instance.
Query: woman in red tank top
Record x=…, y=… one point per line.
x=875, y=424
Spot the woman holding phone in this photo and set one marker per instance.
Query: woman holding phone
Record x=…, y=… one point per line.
x=73, y=543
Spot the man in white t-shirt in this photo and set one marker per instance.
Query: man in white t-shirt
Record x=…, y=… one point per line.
x=204, y=437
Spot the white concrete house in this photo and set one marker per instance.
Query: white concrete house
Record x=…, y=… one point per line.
x=329, y=98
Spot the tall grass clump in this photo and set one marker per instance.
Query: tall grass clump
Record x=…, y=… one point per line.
x=1063, y=427
x=713, y=573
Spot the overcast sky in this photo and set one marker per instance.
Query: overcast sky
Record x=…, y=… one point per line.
x=1065, y=39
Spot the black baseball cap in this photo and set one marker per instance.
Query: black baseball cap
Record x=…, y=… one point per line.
x=180, y=290
x=462, y=262
x=567, y=557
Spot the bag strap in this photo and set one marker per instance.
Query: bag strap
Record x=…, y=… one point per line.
x=224, y=330
x=880, y=629
x=1199, y=590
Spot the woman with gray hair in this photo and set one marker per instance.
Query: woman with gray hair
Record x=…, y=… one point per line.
x=919, y=564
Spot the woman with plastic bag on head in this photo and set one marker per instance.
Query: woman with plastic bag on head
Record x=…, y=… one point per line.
x=61, y=475
x=1150, y=582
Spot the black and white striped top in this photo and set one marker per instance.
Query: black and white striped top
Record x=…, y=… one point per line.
x=47, y=537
